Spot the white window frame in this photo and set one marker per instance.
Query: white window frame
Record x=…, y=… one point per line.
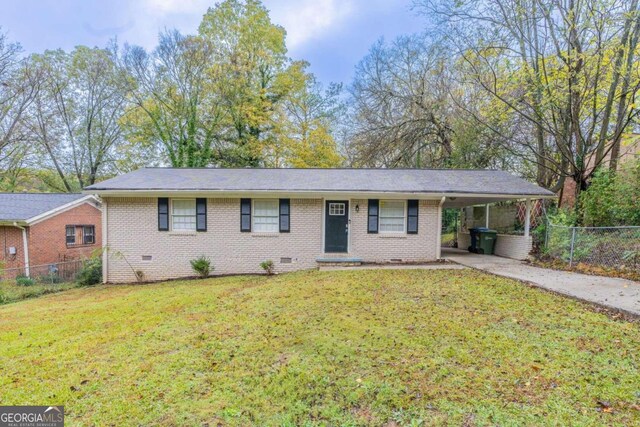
x=254, y=216
x=85, y=234
x=195, y=217
x=404, y=217
x=341, y=212
x=68, y=228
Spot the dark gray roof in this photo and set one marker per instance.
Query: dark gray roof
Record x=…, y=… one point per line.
x=22, y=206
x=322, y=180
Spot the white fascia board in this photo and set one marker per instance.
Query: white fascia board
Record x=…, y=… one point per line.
x=63, y=208
x=308, y=194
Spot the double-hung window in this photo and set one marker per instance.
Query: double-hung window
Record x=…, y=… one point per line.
x=80, y=235
x=71, y=234
x=266, y=215
x=392, y=216
x=183, y=214
x=88, y=234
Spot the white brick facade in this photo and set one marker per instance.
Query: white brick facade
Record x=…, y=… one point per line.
x=516, y=247
x=131, y=233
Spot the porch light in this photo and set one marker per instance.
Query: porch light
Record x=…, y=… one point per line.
x=357, y=208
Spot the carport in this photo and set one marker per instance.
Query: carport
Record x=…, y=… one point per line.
x=515, y=246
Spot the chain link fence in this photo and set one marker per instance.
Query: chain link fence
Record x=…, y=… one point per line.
x=611, y=247
x=60, y=272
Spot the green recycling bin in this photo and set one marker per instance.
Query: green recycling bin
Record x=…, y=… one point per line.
x=486, y=241
x=483, y=240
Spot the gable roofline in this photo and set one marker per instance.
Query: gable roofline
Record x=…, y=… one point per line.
x=62, y=208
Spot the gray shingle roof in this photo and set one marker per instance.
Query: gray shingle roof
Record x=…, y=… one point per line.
x=322, y=180
x=22, y=206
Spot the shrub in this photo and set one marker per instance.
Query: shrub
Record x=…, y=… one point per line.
x=51, y=278
x=267, y=266
x=91, y=272
x=139, y=275
x=202, y=266
x=24, y=281
x=612, y=198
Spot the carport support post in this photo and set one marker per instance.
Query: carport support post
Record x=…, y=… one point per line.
x=527, y=218
x=486, y=216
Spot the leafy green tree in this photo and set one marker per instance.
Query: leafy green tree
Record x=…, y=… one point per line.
x=255, y=78
x=174, y=107
x=307, y=128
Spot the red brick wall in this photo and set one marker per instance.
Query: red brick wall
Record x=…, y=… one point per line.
x=11, y=237
x=47, y=239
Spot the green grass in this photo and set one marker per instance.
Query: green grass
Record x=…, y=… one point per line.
x=386, y=347
x=10, y=292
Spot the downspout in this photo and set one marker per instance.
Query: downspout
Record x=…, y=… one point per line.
x=439, y=233
x=25, y=248
x=105, y=248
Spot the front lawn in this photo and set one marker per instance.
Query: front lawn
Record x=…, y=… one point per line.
x=386, y=347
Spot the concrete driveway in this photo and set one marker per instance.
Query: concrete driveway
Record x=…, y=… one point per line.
x=619, y=294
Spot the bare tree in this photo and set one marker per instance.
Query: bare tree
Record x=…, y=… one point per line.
x=75, y=116
x=549, y=63
x=400, y=105
x=18, y=87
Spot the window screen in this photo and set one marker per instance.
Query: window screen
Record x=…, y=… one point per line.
x=392, y=216
x=183, y=214
x=265, y=216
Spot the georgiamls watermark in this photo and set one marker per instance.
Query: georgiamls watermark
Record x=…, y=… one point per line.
x=31, y=416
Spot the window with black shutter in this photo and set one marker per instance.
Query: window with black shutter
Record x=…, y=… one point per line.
x=412, y=217
x=201, y=214
x=284, y=215
x=163, y=214
x=372, y=223
x=245, y=215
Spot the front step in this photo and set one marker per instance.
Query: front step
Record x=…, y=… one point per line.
x=339, y=262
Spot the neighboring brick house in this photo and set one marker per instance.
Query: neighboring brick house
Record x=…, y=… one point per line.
x=155, y=220
x=629, y=152
x=39, y=229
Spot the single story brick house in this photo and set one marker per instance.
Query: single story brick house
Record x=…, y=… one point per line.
x=155, y=220
x=37, y=229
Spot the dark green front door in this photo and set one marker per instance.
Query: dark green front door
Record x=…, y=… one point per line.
x=336, y=226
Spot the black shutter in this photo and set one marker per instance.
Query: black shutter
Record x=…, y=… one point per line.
x=412, y=217
x=163, y=214
x=245, y=215
x=201, y=214
x=372, y=224
x=284, y=215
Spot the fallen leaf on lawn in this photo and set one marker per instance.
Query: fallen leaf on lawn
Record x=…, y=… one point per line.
x=604, y=406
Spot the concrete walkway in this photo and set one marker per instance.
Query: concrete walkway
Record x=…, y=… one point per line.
x=447, y=266
x=619, y=294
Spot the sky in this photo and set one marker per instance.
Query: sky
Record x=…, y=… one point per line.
x=333, y=35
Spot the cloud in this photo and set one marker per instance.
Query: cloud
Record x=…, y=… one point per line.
x=178, y=6
x=304, y=20
x=307, y=20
